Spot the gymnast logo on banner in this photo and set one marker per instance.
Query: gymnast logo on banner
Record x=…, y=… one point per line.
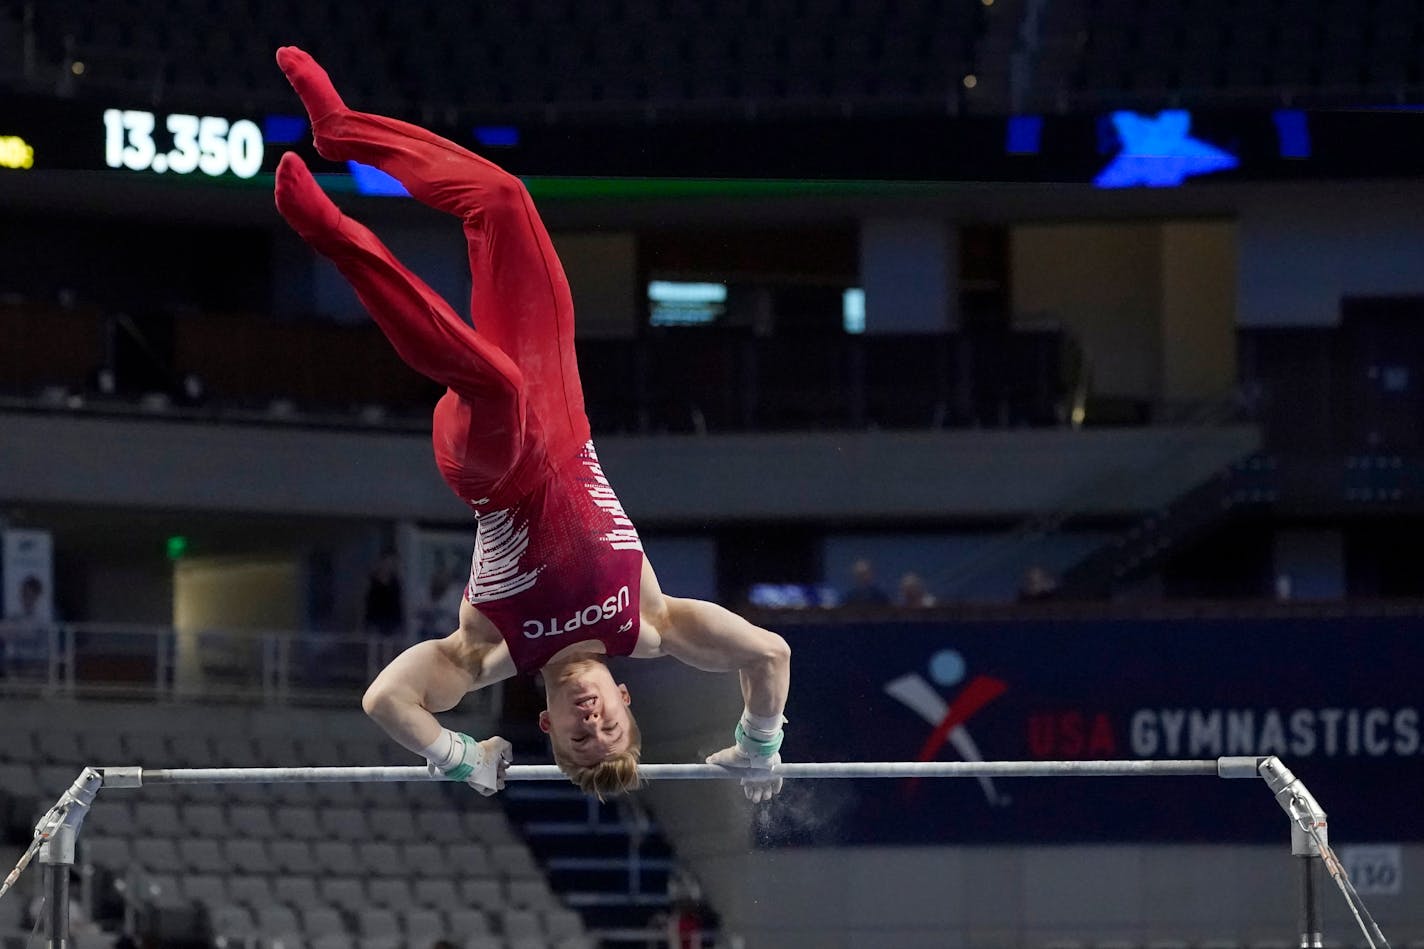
x=948, y=716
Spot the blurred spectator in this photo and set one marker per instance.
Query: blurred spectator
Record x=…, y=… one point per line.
x=444, y=944
x=865, y=591
x=913, y=594
x=385, y=612
x=31, y=595
x=440, y=613
x=1037, y=584
x=25, y=630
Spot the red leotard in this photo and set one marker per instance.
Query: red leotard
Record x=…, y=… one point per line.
x=556, y=559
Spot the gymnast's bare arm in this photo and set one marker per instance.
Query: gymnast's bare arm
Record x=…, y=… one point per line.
x=433, y=676
x=708, y=637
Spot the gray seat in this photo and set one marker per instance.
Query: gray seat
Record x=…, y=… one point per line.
x=157, y=819
x=248, y=856
x=157, y=854
x=321, y=919
x=235, y=751
x=294, y=857
x=331, y=941
x=278, y=751
x=526, y=942
x=17, y=744
x=191, y=751
x=295, y=793
x=277, y=920
x=207, y=889
x=232, y=922
x=421, y=796
x=55, y=779
x=111, y=818
x=484, y=893
x=382, y=859
x=56, y=746
x=149, y=749
x=202, y=855
x=252, y=821
x=296, y=890
x=520, y=924
x=468, y=860
x=348, y=893
x=436, y=893
x=336, y=794
x=488, y=827
x=204, y=820
x=483, y=941
x=103, y=748
x=336, y=856
x=298, y=823
x=345, y=823
x=466, y=922
x=285, y=941
x=562, y=923
x=531, y=894
x=513, y=861
x=435, y=823
x=422, y=926
x=318, y=751
x=423, y=859
x=19, y=780
x=378, y=924
x=111, y=853
x=392, y=892
x=251, y=890
x=574, y=942
x=160, y=890
x=394, y=825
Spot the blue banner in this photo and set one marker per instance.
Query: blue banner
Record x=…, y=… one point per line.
x=1338, y=700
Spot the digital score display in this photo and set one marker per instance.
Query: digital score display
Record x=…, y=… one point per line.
x=182, y=144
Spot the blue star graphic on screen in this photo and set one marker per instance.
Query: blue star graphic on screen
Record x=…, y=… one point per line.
x=1158, y=151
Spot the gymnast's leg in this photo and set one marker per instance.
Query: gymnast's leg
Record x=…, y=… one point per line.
x=520, y=298
x=479, y=423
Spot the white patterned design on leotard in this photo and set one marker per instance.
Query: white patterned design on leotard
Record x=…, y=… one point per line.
x=500, y=542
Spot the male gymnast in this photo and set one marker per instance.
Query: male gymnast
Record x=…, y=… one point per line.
x=559, y=581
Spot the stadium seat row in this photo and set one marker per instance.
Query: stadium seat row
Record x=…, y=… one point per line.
x=413, y=860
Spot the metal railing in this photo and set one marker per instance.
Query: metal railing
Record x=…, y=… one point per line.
x=115, y=660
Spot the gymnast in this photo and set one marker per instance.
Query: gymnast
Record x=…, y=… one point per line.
x=558, y=580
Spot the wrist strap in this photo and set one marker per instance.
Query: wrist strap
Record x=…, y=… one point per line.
x=756, y=746
x=460, y=753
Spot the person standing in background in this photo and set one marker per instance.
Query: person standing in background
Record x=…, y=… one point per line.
x=865, y=591
x=385, y=605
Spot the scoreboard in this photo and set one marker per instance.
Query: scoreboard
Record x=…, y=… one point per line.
x=182, y=144
x=48, y=134
x=1166, y=148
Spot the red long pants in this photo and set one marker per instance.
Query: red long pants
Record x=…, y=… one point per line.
x=514, y=404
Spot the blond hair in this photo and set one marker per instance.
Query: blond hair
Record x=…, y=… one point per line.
x=614, y=775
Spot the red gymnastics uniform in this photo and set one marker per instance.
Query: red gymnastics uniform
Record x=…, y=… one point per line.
x=556, y=559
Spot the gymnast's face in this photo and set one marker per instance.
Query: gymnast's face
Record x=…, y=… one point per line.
x=587, y=713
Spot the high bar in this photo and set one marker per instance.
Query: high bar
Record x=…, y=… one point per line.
x=1208, y=767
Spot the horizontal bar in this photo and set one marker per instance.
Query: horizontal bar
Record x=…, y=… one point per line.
x=133, y=777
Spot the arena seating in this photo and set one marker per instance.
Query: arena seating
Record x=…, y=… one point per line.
x=562, y=58
x=518, y=57
x=294, y=865
x=1126, y=53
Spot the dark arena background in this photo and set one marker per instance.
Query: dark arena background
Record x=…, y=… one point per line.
x=1048, y=373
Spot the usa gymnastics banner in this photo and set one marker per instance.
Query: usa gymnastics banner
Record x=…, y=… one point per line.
x=1339, y=700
